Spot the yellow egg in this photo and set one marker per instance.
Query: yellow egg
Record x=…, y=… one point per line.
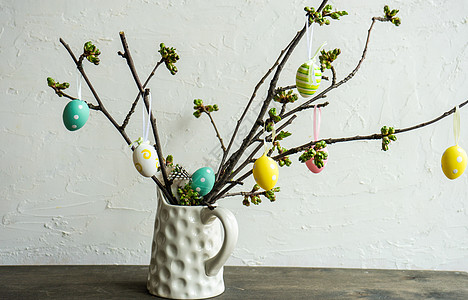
x=265, y=172
x=454, y=162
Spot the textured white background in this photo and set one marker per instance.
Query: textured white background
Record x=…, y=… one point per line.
x=75, y=198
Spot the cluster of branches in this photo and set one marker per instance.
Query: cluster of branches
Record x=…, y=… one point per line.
x=230, y=167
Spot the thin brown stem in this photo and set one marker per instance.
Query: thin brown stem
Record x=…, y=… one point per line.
x=344, y=80
x=375, y=136
x=135, y=102
x=79, y=65
x=246, y=109
x=216, y=130
x=61, y=93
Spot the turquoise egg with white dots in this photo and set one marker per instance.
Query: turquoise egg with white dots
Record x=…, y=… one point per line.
x=75, y=114
x=203, y=180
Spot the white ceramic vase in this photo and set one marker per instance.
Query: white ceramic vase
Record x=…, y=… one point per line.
x=189, y=250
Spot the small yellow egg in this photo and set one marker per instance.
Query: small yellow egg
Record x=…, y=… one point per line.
x=454, y=162
x=265, y=172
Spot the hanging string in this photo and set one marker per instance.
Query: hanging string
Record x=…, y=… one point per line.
x=147, y=115
x=456, y=125
x=79, y=78
x=309, y=35
x=317, y=120
x=268, y=146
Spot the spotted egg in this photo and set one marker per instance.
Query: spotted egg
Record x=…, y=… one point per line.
x=203, y=180
x=145, y=159
x=311, y=165
x=454, y=162
x=265, y=172
x=75, y=114
x=305, y=84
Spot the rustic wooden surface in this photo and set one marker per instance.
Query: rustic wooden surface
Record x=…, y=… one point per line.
x=129, y=282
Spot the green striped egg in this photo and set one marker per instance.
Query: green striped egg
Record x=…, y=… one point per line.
x=304, y=82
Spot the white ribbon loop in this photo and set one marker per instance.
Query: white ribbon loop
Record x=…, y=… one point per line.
x=456, y=125
x=79, y=78
x=268, y=146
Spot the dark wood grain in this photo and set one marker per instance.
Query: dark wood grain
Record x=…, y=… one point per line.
x=129, y=282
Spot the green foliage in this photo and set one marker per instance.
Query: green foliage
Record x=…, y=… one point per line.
x=323, y=17
x=315, y=153
x=188, y=197
x=170, y=57
x=282, y=135
x=390, y=15
x=91, y=52
x=254, y=197
x=388, y=135
x=57, y=86
x=284, y=161
x=283, y=97
x=169, y=160
x=273, y=115
x=327, y=57
x=200, y=108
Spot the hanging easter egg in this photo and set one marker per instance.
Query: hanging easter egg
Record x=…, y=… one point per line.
x=454, y=162
x=265, y=172
x=305, y=75
x=203, y=180
x=75, y=114
x=145, y=159
x=313, y=167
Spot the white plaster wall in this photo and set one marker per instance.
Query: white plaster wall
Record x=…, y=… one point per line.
x=75, y=198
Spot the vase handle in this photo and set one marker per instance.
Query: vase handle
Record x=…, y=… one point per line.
x=231, y=232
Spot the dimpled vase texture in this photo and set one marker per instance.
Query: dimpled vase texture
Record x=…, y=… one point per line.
x=189, y=251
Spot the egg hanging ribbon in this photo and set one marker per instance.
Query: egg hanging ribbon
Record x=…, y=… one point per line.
x=310, y=163
x=454, y=159
x=145, y=158
x=265, y=169
x=76, y=112
x=309, y=75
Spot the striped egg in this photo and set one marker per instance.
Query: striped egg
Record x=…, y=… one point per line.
x=265, y=172
x=305, y=82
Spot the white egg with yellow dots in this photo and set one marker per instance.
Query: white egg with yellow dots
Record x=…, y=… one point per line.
x=265, y=172
x=145, y=159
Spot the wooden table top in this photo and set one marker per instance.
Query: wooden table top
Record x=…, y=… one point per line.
x=129, y=282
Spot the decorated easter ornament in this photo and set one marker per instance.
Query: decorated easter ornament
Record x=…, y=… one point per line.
x=309, y=75
x=76, y=112
x=203, y=180
x=310, y=163
x=454, y=159
x=145, y=158
x=265, y=169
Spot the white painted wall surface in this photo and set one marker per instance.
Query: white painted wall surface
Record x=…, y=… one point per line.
x=75, y=198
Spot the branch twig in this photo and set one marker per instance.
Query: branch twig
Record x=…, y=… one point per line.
x=216, y=130
x=128, y=57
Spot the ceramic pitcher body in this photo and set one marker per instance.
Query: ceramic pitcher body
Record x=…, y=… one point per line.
x=190, y=246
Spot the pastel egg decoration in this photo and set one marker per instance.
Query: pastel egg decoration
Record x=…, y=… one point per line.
x=75, y=114
x=265, y=172
x=145, y=159
x=311, y=165
x=305, y=79
x=203, y=180
x=454, y=162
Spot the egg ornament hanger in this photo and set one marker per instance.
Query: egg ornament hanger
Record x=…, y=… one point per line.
x=311, y=164
x=145, y=158
x=309, y=75
x=454, y=159
x=265, y=169
x=76, y=112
